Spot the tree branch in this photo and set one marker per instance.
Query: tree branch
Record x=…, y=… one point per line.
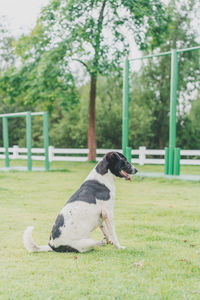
x=98, y=36
x=83, y=63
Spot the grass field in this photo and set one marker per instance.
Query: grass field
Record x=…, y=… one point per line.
x=158, y=220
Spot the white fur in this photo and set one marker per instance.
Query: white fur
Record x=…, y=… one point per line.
x=30, y=245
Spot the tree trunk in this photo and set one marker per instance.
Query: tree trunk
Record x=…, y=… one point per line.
x=91, y=129
x=160, y=138
x=91, y=126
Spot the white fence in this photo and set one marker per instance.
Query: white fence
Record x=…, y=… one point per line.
x=140, y=156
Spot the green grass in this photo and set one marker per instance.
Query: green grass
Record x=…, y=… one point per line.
x=158, y=221
x=193, y=170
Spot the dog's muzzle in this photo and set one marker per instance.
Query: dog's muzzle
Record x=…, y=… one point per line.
x=127, y=176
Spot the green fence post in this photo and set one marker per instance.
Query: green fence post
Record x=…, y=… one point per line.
x=46, y=140
x=177, y=157
x=29, y=140
x=6, y=141
x=128, y=154
x=173, y=101
x=166, y=160
x=171, y=161
x=125, y=120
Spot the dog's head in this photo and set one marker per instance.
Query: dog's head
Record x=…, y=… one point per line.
x=117, y=164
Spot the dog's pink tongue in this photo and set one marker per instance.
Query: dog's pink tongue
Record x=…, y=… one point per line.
x=127, y=175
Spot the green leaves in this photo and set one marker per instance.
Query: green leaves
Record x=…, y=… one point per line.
x=93, y=27
x=41, y=81
x=88, y=31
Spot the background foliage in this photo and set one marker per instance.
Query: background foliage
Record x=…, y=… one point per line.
x=35, y=75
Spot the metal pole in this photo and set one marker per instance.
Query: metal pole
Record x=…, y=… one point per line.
x=173, y=101
x=6, y=141
x=29, y=140
x=128, y=154
x=166, y=160
x=188, y=49
x=46, y=140
x=13, y=115
x=125, y=121
x=151, y=56
x=177, y=157
x=164, y=53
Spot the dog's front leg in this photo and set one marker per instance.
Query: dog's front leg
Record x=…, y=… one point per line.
x=105, y=233
x=108, y=220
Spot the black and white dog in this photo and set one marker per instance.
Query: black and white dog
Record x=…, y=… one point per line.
x=89, y=207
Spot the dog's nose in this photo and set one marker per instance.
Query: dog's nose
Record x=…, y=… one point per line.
x=135, y=170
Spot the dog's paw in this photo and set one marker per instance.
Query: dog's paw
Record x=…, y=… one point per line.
x=122, y=247
x=101, y=243
x=119, y=247
x=107, y=241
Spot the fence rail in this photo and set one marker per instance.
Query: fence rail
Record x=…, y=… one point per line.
x=140, y=156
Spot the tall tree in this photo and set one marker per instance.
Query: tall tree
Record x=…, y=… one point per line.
x=95, y=34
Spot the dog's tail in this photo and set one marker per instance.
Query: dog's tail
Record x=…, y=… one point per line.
x=30, y=245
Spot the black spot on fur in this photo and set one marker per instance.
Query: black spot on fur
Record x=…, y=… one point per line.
x=90, y=191
x=55, y=233
x=64, y=249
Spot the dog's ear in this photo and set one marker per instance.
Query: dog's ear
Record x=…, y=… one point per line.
x=102, y=167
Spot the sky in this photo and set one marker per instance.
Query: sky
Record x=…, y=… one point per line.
x=21, y=14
